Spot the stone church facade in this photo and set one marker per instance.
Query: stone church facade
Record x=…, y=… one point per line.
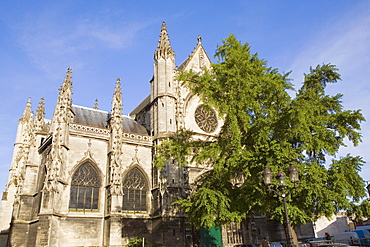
x=86, y=177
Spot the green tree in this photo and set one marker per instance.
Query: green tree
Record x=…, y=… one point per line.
x=137, y=242
x=265, y=126
x=360, y=211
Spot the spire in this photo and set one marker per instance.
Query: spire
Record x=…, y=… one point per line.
x=27, y=113
x=66, y=89
x=116, y=126
x=59, y=128
x=64, y=103
x=164, y=49
x=26, y=142
x=117, y=99
x=40, y=112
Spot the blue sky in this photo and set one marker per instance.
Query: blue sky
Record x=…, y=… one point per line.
x=103, y=40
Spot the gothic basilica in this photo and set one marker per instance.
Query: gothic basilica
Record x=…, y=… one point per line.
x=85, y=177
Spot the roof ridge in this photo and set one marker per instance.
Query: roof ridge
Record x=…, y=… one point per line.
x=90, y=108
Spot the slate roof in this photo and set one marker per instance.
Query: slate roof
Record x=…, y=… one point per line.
x=98, y=118
x=141, y=106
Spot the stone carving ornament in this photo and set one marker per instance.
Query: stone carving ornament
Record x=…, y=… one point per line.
x=135, y=180
x=206, y=119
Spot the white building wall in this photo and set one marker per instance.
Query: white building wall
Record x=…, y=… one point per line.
x=336, y=224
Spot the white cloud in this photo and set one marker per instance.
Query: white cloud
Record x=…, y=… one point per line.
x=115, y=37
x=51, y=44
x=345, y=43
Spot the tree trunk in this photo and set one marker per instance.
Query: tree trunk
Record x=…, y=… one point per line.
x=294, y=236
x=293, y=233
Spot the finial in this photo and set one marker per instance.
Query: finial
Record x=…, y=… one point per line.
x=28, y=107
x=64, y=102
x=118, y=85
x=40, y=112
x=199, y=39
x=27, y=113
x=163, y=26
x=67, y=84
x=96, y=104
x=117, y=99
x=164, y=49
x=69, y=72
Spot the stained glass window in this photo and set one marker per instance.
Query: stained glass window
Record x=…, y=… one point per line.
x=85, y=189
x=134, y=191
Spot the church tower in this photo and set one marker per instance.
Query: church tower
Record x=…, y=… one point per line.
x=21, y=194
x=163, y=89
x=15, y=195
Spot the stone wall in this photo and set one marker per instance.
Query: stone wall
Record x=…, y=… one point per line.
x=80, y=231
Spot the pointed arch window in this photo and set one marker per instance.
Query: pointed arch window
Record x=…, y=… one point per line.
x=85, y=189
x=134, y=191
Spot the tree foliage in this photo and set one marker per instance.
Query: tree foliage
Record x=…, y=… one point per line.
x=359, y=211
x=137, y=242
x=265, y=126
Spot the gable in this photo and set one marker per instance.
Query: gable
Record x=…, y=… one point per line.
x=197, y=61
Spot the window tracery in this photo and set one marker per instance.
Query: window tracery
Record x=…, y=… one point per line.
x=85, y=189
x=206, y=119
x=134, y=191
